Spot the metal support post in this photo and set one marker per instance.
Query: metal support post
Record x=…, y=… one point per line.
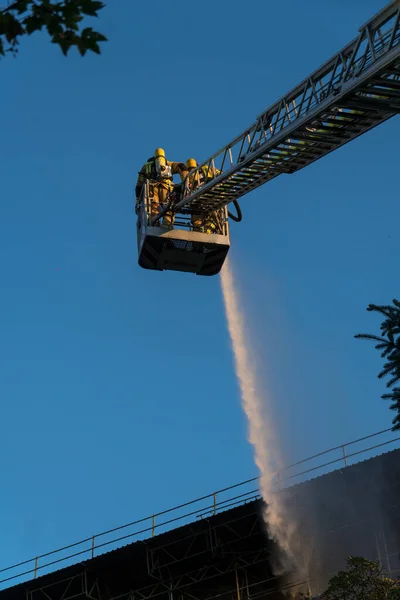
x=246, y=583
x=344, y=456
x=237, y=585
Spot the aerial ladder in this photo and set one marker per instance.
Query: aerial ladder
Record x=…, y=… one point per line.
x=350, y=94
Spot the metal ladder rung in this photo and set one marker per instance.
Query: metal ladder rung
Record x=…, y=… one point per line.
x=226, y=190
x=373, y=105
x=225, y=193
x=345, y=117
x=381, y=92
x=223, y=190
x=277, y=153
x=390, y=83
x=334, y=128
x=280, y=150
x=264, y=161
x=345, y=127
x=250, y=174
x=328, y=139
x=393, y=71
x=249, y=170
x=321, y=144
x=310, y=155
x=354, y=123
x=240, y=180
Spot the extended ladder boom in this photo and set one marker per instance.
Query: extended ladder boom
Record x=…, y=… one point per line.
x=354, y=91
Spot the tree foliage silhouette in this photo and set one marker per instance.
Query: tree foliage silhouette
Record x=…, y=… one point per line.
x=363, y=579
x=389, y=345
x=62, y=20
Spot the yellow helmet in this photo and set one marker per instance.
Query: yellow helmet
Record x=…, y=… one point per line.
x=191, y=163
x=159, y=152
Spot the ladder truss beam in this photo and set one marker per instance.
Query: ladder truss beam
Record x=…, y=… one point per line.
x=313, y=119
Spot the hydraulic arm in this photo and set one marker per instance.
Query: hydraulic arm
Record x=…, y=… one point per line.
x=351, y=93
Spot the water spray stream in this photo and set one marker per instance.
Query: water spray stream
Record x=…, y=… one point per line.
x=261, y=429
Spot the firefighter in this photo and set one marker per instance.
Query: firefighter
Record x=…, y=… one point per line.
x=200, y=222
x=159, y=172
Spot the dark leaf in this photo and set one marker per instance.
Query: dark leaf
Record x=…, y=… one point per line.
x=94, y=47
x=21, y=6
x=32, y=24
x=91, y=7
x=54, y=27
x=65, y=45
x=81, y=47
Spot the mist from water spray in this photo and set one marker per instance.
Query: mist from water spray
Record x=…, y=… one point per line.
x=260, y=428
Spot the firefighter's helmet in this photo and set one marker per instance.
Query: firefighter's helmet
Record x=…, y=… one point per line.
x=159, y=152
x=191, y=163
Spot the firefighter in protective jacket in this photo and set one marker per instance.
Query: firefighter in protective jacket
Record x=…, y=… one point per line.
x=207, y=223
x=160, y=172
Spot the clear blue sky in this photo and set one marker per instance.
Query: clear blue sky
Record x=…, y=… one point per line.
x=117, y=384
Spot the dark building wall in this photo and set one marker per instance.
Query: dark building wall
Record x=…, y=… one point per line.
x=353, y=511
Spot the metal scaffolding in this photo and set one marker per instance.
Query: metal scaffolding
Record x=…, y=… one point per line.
x=354, y=91
x=227, y=553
